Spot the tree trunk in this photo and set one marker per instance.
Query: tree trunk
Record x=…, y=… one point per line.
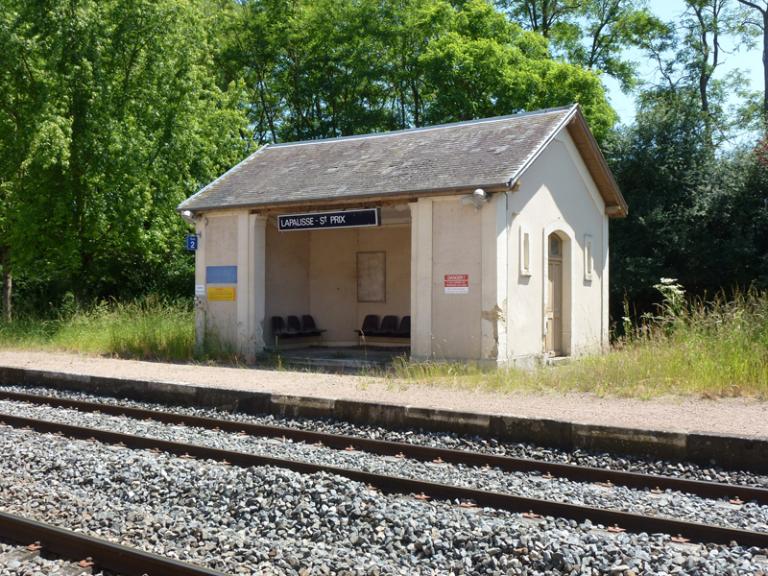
x=5, y=262
x=763, y=11
x=765, y=70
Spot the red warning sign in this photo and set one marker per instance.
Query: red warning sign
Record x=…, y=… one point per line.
x=456, y=283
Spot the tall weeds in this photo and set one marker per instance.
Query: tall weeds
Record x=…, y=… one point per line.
x=711, y=348
x=150, y=328
x=717, y=346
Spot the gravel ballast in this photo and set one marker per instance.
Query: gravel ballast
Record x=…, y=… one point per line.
x=272, y=521
x=444, y=440
x=672, y=504
x=19, y=561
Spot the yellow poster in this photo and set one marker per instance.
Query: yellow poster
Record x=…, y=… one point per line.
x=221, y=294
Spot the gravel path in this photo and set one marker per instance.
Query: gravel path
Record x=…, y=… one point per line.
x=272, y=521
x=445, y=440
x=671, y=504
x=739, y=416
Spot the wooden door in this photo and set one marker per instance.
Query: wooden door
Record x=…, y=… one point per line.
x=554, y=308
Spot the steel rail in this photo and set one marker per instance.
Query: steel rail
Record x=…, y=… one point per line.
x=105, y=555
x=422, y=453
x=399, y=485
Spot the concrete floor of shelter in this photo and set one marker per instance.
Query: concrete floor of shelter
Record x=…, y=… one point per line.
x=345, y=358
x=745, y=417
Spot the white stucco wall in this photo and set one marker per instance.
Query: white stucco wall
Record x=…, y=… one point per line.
x=231, y=238
x=556, y=194
x=450, y=235
x=219, y=239
x=287, y=272
x=456, y=249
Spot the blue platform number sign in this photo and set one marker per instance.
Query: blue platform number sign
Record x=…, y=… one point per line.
x=191, y=242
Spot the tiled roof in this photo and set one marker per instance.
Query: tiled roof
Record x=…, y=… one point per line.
x=460, y=156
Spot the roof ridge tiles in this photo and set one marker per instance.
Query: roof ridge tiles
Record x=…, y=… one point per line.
x=446, y=125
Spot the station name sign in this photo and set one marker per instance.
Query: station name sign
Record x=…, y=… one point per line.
x=322, y=220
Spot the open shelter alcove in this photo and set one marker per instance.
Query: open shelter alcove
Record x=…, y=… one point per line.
x=339, y=276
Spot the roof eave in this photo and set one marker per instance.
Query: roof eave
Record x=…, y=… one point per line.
x=615, y=204
x=536, y=152
x=184, y=206
x=405, y=196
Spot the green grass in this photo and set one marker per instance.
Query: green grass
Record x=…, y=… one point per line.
x=710, y=349
x=147, y=329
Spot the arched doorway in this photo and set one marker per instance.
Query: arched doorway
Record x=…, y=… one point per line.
x=554, y=309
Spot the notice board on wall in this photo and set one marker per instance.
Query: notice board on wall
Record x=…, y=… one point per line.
x=222, y=293
x=456, y=283
x=371, y=277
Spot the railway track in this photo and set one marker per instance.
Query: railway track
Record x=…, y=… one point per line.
x=617, y=520
x=573, y=472
x=88, y=554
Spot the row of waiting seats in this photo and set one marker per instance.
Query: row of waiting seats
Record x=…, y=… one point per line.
x=389, y=327
x=373, y=326
x=291, y=327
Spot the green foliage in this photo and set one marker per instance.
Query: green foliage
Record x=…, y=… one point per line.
x=698, y=215
x=148, y=328
x=335, y=67
x=112, y=112
x=593, y=34
x=110, y=116
x=673, y=302
x=488, y=66
x=151, y=330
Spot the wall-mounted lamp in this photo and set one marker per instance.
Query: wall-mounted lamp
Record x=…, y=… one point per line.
x=188, y=216
x=477, y=198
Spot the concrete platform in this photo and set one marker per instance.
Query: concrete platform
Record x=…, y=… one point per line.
x=732, y=433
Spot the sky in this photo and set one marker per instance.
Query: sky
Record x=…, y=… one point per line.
x=748, y=61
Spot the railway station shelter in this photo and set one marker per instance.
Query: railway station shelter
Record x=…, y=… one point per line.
x=484, y=241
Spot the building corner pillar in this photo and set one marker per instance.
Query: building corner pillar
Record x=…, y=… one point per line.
x=495, y=270
x=605, y=335
x=201, y=302
x=421, y=279
x=251, y=285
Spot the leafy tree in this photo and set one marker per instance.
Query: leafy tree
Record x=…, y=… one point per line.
x=704, y=28
x=551, y=18
x=609, y=29
x=408, y=30
x=688, y=56
x=335, y=67
x=487, y=66
x=322, y=69
x=755, y=19
x=113, y=116
x=695, y=216
x=595, y=34
x=751, y=210
x=23, y=115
